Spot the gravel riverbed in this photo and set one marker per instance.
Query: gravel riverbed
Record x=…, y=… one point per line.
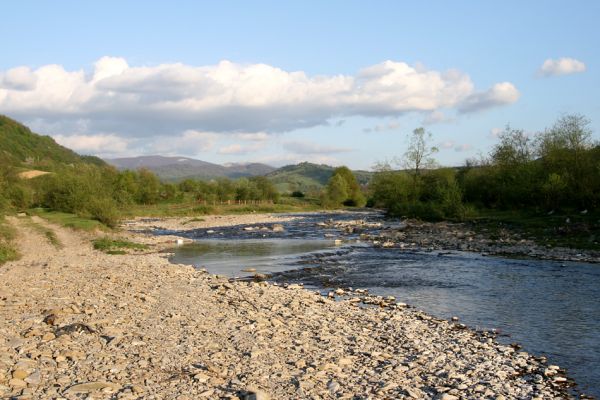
x=77, y=323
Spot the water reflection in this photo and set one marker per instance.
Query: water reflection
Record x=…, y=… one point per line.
x=230, y=257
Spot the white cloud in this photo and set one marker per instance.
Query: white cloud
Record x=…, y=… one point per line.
x=228, y=97
x=495, y=132
x=254, y=137
x=239, y=149
x=500, y=94
x=463, y=147
x=448, y=144
x=93, y=144
x=20, y=78
x=304, y=147
x=561, y=66
x=188, y=143
x=436, y=117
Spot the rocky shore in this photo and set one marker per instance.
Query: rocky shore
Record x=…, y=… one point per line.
x=447, y=236
x=77, y=323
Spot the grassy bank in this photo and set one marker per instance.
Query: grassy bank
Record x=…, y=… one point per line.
x=194, y=209
x=7, y=235
x=68, y=220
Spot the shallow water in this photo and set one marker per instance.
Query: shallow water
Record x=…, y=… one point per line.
x=550, y=308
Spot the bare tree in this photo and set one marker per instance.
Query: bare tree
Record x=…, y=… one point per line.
x=419, y=154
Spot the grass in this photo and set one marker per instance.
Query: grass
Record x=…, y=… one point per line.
x=116, y=246
x=7, y=235
x=193, y=209
x=68, y=220
x=561, y=229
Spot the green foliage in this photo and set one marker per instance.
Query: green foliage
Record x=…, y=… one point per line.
x=68, y=220
x=343, y=189
x=7, y=235
x=20, y=147
x=558, y=170
x=116, y=246
x=436, y=196
x=308, y=178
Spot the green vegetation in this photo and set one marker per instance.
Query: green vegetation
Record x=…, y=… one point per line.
x=582, y=231
x=343, y=189
x=7, y=235
x=117, y=246
x=307, y=178
x=20, y=147
x=68, y=220
x=546, y=187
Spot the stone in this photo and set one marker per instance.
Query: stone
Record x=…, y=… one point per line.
x=20, y=374
x=92, y=387
x=17, y=383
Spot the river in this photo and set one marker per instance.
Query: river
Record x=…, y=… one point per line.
x=550, y=308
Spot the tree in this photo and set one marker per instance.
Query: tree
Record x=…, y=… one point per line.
x=419, y=154
x=343, y=188
x=337, y=190
x=515, y=148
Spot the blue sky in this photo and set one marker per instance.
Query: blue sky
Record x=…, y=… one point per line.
x=281, y=82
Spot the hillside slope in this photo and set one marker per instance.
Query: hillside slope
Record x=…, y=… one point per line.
x=19, y=147
x=306, y=177
x=180, y=168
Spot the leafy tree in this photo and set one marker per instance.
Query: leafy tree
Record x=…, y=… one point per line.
x=343, y=188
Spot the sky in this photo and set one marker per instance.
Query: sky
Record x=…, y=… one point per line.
x=335, y=82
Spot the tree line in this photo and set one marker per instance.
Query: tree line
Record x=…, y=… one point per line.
x=556, y=169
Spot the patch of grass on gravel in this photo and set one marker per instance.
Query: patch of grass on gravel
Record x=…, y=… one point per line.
x=116, y=246
x=69, y=220
x=7, y=234
x=47, y=232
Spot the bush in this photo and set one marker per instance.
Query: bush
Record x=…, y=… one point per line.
x=104, y=210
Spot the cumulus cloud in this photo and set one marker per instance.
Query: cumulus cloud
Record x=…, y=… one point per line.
x=312, y=148
x=500, y=94
x=93, y=144
x=561, y=66
x=20, y=78
x=240, y=149
x=142, y=101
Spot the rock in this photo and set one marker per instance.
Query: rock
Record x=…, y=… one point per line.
x=446, y=396
x=17, y=383
x=20, y=374
x=92, y=387
x=278, y=228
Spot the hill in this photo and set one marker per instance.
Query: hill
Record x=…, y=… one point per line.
x=19, y=147
x=307, y=177
x=180, y=168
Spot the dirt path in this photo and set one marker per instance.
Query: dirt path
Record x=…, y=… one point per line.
x=78, y=323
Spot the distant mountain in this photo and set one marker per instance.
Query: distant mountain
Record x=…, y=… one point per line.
x=307, y=177
x=180, y=168
x=19, y=147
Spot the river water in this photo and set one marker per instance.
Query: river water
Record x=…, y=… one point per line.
x=550, y=308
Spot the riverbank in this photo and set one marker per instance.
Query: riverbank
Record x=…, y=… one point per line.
x=455, y=236
x=78, y=322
